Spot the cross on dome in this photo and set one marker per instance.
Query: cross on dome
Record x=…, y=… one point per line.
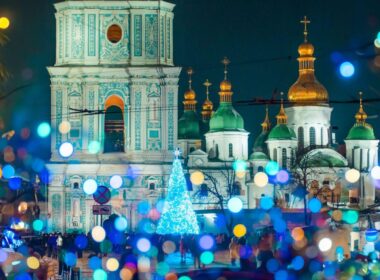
x=305, y=22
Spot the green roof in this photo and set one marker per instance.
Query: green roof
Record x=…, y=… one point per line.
x=324, y=158
x=226, y=118
x=258, y=156
x=188, y=126
x=282, y=132
x=361, y=132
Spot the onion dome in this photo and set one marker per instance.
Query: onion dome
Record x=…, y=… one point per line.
x=259, y=146
x=207, y=106
x=307, y=90
x=226, y=118
x=281, y=131
x=188, y=124
x=361, y=130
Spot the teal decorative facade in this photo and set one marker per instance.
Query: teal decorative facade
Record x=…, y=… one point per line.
x=111, y=54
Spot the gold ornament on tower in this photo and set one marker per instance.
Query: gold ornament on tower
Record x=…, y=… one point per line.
x=190, y=95
x=225, y=86
x=307, y=90
x=207, y=106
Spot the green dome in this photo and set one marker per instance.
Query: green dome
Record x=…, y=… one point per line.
x=260, y=145
x=258, y=156
x=226, y=119
x=324, y=158
x=188, y=126
x=361, y=132
x=282, y=132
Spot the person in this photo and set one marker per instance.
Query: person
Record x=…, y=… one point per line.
x=182, y=249
x=195, y=251
x=234, y=250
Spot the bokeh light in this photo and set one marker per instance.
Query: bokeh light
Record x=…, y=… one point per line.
x=43, y=130
x=261, y=179
x=297, y=263
x=64, y=127
x=298, y=233
x=8, y=171
x=143, y=245
x=206, y=242
x=168, y=247
x=66, y=149
x=207, y=257
x=81, y=241
x=32, y=262
x=282, y=177
x=94, y=147
x=266, y=202
x=239, y=230
x=70, y=259
x=4, y=22
x=90, y=186
x=116, y=181
x=98, y=233
x=371, y=235
x=3, y=255
x=325, y=244
x=94, y=263
x=239, y=166
x=112, y=264
x=273, y=265
x=100, y=274
x=375, y=172
x=346, y=69
x=121, y=223
x=352, y=175
x=350, y=216
x=38, y=225
x=272, y=168
x=235, y=204
x=315, y=205
x=14, y=183
x=197, y=177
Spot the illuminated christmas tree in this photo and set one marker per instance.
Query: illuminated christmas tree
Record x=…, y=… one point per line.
x=178, y=216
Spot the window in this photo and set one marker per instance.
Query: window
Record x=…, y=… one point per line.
x=114, y=130
x=76, y=185
x=329, y=135
x=192, y=149
x=274, y=154
x=152, y=186
x=300, y=138
x=321, y=135
x=284, y=159
x=230, y=150
x=114, y=33
x=260, y=169
x=236, y=188
x=312, y=136
x=216, y=151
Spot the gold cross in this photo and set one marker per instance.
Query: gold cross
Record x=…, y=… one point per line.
x=225, y=61
x=190, y=72
x=207, y=84
x=305, y=22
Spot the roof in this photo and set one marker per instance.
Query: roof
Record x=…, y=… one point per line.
x=226, y=118
x=258, y=156
x=361, y=132
x=325, y=158
x=260, y=145
x=188, y=126
x=282, y=132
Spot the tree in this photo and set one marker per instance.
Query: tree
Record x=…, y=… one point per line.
x=178, y=216
x=304, y=169
x=221, y=187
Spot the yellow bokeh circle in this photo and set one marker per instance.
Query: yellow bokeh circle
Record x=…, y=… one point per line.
x=4, y=23
x=239, y=230
x=33, y=262
x=197, y=177
x=112, y=264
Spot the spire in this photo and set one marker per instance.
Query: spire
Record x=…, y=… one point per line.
x=361, y=115
x=207, y=104
x=190, y=102
x=307, y=90
x=266, y=123
x=225, y=86
x=305, y=22
x=281, y=117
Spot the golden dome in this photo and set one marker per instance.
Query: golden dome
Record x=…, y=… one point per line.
x=361, y=115
x=306, y=49
x=307, y=90
x=207, y=105
x=189, y=94
x=225, y=85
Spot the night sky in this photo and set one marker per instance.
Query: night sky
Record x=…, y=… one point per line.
x=259, y=37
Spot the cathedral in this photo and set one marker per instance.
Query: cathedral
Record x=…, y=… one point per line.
x=115, y=84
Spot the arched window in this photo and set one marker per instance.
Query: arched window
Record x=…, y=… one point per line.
x=230, y=150
x=312, y=136
x=321, y=135
x=284, y=159
x=300, y=138
x=275, y=154
x=329, y=136
x=113, y=130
